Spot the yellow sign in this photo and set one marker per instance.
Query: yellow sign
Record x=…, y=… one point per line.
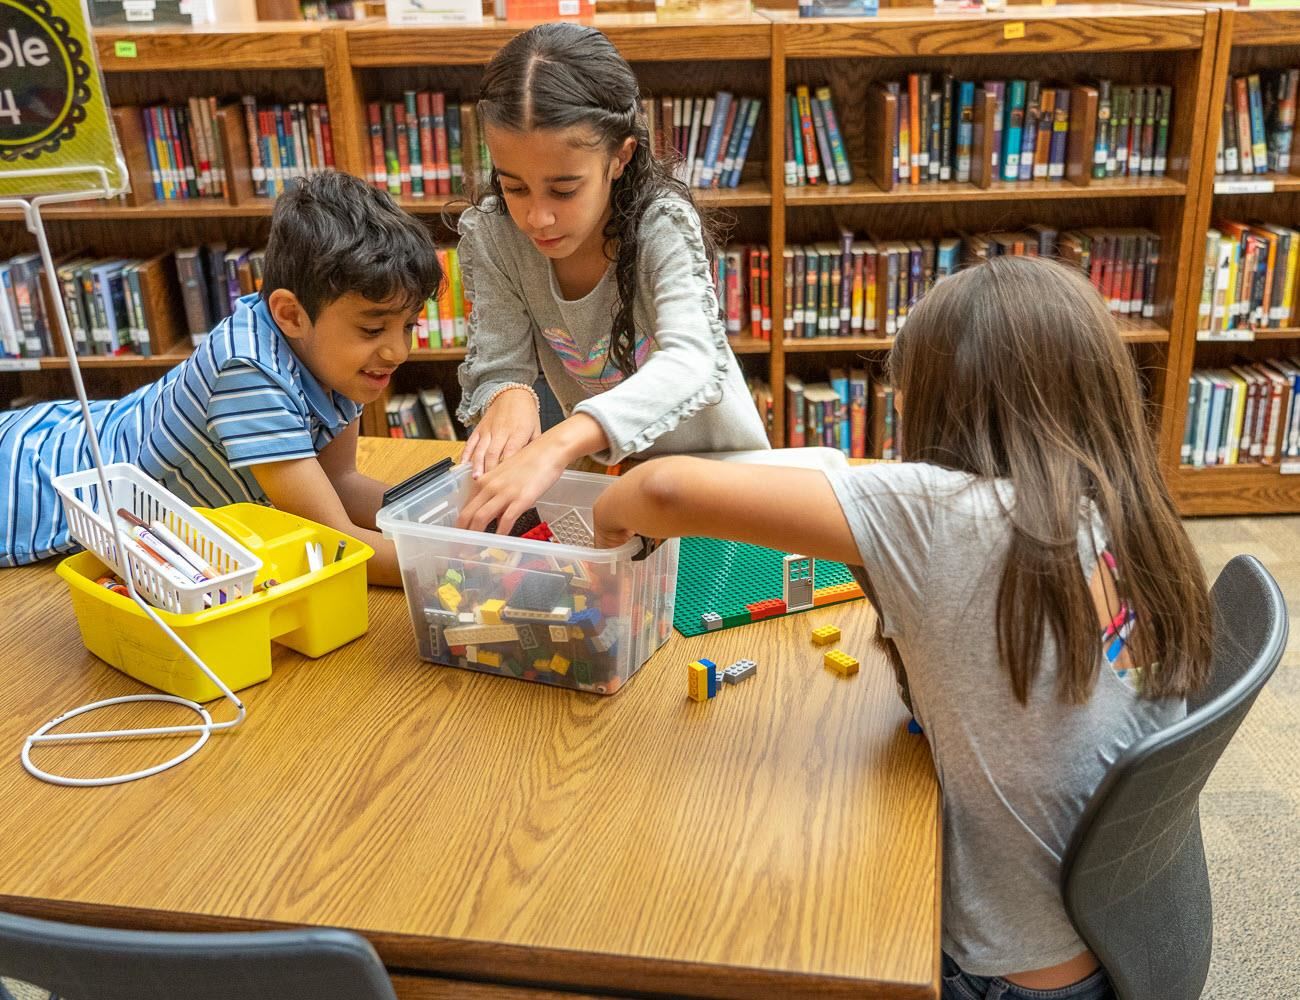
x=53, y=115
x=1013, y=29
x=126, y=50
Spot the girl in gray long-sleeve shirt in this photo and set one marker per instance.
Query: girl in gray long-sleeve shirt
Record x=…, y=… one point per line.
x=588, y=260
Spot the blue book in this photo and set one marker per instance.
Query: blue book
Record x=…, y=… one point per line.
x=727, y=160
x=840, y=161
x=839, y=379
x=1012, y=128
x=721, y=105
x=823, y=142
x=965, y=129
x=155, y=175
x=796, y=133
x=751, y=120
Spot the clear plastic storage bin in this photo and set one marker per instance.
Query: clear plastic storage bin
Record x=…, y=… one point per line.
x=545, y=611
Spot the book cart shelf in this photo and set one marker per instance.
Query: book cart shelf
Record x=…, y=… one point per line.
x=763, y=55
x=1248, y=41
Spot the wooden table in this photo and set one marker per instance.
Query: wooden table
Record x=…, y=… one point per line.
x=497, y=838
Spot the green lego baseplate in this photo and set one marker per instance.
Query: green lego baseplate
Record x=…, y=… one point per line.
x=724, y=577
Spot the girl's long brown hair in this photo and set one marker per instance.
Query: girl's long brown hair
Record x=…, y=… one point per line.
x=1015, y=370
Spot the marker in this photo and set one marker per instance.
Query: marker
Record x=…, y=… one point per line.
x=343, y=544
x=158, y=548
x=164, y=567
x=183, y=550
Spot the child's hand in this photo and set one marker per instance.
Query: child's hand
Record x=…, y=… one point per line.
x=510, y=423
x=512, y=487
x=609, y=529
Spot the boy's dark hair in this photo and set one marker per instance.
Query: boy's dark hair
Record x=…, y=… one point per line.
x=333, y=234
x=560, y=75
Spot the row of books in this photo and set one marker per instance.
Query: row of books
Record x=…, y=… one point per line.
x=707, y=137
x=426, y=144
x=851, y=411
x=742, y=276
x=183, y=150
x=1250, y=280
x=420, y=415
x=445, y=319
x=286, y=142
x=814, y=144
x=1132, y=130
x=1244, y=414
x=856, y=287
x=1258, y=123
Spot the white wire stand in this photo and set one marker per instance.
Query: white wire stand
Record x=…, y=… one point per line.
x=99, y=186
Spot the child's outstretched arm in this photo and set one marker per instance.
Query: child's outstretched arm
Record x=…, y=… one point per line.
x=794, y=510
x=328, y=489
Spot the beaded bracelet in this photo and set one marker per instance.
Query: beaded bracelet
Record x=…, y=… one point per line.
x=506, y=388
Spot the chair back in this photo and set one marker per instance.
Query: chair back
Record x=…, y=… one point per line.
x=96, y=963
x=1133, y=878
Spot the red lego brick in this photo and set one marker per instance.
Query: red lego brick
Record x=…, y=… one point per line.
x=542, y=533
x=457, y=650
x=510, y=581
x=765, y=609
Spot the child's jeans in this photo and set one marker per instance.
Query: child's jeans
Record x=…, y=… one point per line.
x=958, y=985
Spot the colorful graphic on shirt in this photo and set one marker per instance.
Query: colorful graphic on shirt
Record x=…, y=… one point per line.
x=593, y=370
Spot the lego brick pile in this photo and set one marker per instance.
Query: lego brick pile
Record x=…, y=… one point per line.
x=550, y=619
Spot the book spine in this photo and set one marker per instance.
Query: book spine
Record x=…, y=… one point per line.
x=843, y=171
x=946, y=127
x=1258, y=140
x=965, y=127
x=1029, y=139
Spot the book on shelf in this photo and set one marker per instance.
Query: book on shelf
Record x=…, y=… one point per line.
x=286, y=142
x=1250, y=280
x=420, y=415
x=761, y=393
x=707, y=138
x=426, y=145
x=1257, y=133
x=852, y=410
x=1243, y=414
x=434, y=11
x=742, y=279
x=114, y=306
x=815, y=152
x=838, y=8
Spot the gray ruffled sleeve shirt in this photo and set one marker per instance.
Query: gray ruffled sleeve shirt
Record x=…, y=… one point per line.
x=688, y=393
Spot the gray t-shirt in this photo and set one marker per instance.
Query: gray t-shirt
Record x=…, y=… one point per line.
x=1015, y=778
x=688, y=393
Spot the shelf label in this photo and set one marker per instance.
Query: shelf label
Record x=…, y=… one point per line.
x=1244, y=186
x=1227, y=336
x=20, y=364
x=124, y=50
x=1013, y=29
x=1290, y=467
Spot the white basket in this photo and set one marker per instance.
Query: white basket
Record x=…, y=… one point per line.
x=131, y=489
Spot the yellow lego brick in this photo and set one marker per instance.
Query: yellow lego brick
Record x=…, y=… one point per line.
x=489, y=658
x=540, y=665
x=575, y=632
x=559, y=664
x=489, y=613
x=839, y=592
x=842, y=663
x=825, y=635
x=579, y=602
x=449, y=596
x=697, y=687
x=495, y=555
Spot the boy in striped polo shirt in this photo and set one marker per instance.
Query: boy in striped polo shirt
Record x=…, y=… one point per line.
x=266, y=408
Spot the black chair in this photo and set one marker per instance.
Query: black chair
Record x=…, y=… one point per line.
x=1134, y=878
x=94, y=963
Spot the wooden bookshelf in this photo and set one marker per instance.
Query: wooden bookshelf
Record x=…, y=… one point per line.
x=345, y=65
x=1246, y=40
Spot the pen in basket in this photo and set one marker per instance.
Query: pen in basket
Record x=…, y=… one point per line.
x=160, y=552
x=183, y=550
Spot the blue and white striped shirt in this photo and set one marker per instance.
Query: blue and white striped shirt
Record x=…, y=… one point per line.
x=243, y=398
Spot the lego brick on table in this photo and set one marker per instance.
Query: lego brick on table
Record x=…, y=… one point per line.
x=825, y=635
x=701, y=684
x=842, y=663
x=738, y=671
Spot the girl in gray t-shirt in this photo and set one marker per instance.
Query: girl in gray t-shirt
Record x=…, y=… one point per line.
x=589, y=259
x=1034, y=588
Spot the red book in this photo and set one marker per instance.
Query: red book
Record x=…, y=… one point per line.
x=765, y=292
x=438, y=103
x=378, y=166
x=755, y=294
x=424, y=110
x=327, y=136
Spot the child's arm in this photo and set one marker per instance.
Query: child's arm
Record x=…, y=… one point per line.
x=794, y=510
x=307, y=487
x=501, y=352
